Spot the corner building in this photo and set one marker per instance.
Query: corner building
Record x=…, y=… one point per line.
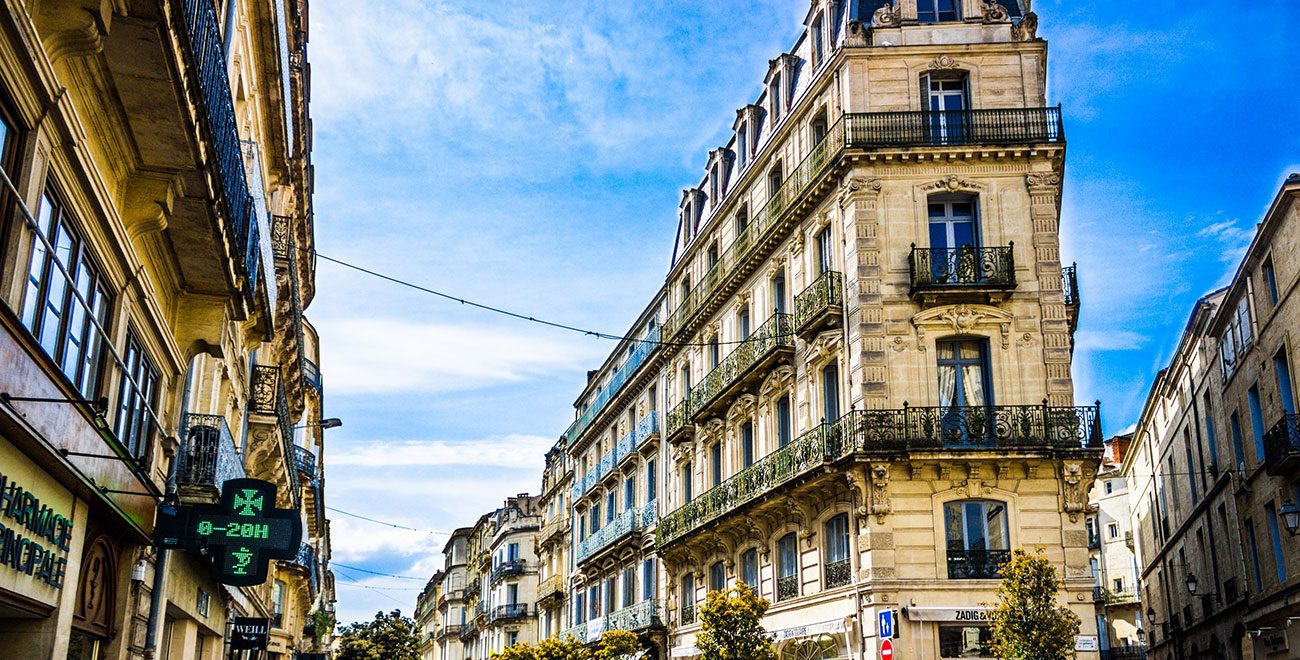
x=156, y=226
x=853, y=391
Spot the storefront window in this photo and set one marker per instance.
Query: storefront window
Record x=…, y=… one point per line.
x=965, y=642
x=821, y=648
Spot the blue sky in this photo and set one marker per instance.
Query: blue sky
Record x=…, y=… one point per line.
x=532, y=157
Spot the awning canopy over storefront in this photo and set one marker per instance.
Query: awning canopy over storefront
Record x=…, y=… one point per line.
x=831, y=627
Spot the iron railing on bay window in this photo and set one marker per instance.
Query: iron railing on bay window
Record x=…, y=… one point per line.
x=825, y=292
x=963, y=267
x=208, y=455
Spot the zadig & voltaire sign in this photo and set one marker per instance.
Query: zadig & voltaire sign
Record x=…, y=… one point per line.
x=27, y=553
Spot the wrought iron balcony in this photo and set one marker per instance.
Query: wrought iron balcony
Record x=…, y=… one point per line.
x=873, y=130
x=838, y=573
x=508, y=568
x=1124, y=653
x=787, y=587
x=679, y=421
x=306, y=560
x=305, y=461
x=688, y=614
x=962, y=269
x=976, y=564
x=762, y=348
x=468, y=630
x=552, y=587
x=643, y=615
x=975, y=428
x=472, y=588
x=264, y=390
x=311, y=376
x=208, y=455
x=578, y=633
x=620, y=377
x=510, y=611
x=630, y=520
x=820, y=305
x=282, y=243
x=627, y=446
x=1070, y=285
x=1282, y=446
x=554, y=528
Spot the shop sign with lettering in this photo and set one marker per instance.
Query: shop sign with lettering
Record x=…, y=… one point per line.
x=34, y=538
x=242, y=533
x=249, y=633
x=960, y=614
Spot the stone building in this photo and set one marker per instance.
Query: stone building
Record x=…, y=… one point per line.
x=1114, y=564
x=554, y=561
x=1213, y=467
x=427, y=622
x=156, y=231
x=862, y=353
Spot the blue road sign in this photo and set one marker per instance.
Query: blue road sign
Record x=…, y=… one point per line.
x=886, y=624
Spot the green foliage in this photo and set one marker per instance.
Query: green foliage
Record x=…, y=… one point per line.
x=520, y=651
x=560, y=649
x=1027, y=623
x=617, y=643
x=389, y=637
x=322, y=624
x=731, y=628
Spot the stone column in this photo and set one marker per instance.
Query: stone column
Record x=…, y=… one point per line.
x=864, y=314
x=1044, y=211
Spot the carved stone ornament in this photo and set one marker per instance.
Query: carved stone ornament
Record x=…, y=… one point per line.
x=943, y=62
x=858, y=484
x=1026, y=29
x=886, y=16
x=880, y=492
x=995, y=13
x=796, y=248
x=962, y=319
x=777, y=264
x=1045, y=180
x=855, y=184
x=1072, y=475
x=951, y=184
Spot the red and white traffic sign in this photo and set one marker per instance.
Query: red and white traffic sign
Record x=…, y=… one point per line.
x=886, y=650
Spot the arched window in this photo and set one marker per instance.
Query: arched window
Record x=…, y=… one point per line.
x=820, y=648
x=977, y=538
x=831, y=393
x=783, y=433
x=717, y=577
x=838, y=570
x=749, y=568
x=747, y=444
x=688, y=598
x=787, y=555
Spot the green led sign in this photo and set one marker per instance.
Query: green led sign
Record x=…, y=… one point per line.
x=241, y=533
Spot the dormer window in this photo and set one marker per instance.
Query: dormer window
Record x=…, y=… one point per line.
x=774, y=93
x=818, y=41
x=742, y=144
x=713, y=183
x=936, y=11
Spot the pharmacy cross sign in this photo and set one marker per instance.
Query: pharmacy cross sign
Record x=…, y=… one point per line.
x=244, y=531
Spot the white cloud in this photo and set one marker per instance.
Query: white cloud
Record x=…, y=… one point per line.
x=1109, y=340
x=509, y=451
x=387, y=355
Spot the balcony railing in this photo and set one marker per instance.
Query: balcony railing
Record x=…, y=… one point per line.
x=554, y=527
x=976, y=564
x=775, y=334
x=679, y=419
x=1282, y=445
x=1070, y=285
x=823, y=297
x=910, y=428
x=468, y=630
x=688, y=613
x=578, y=632
x=1124, y=653
x=311, y=376
x=508, y=568
x=208, y=58
x=208, y=456
x=551, y=587
x=624, y=523
x=307, y=559
x=264, y=388
x=631, y=441
x=867, y=131
x=620, y=377
x=962, y=268
x=305, y=461
x=510, y=611
x=838, y=573
x=645, y=614
x=787, y=587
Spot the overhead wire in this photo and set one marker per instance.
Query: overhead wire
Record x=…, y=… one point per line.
x=366, y=570
x=385, y=523
x=374, y=589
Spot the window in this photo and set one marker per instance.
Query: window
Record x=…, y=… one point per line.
x=713, y=184
x=647, y=579
x=595, y=517
x=688, y=597
x=650, y=493
x=629, y=493
x=818, y=42
x=774, y=93
x=579, y=608
x=512, y=638
x=1256, y=421
x=963, y=377
x=610, y=594
x=742, y=143
x=1191, y=464
x=714, y=353
x=1281, y=367
x=512, y=552
x=611, y=505
x=1237, y=337
x=936, y=11
x=686, y=381
x=52, y=312
x=824, y=262
x=837, y=551
x=1112, y=530
x=134, y=425
x=818, y=128
x=1110, y=487
x=1274, y=530
x=742, y=323
x=1270, y=279
x=717, y=577
x=958, y=641
x=629, y=586
x=278, y=592
x=747, y=444
x=831, y=393
x=512, y=594
x=687, y=495
x=1253, y=546
x=787, y=581
x=715, y=458
x=783, y=421
x=1239, y=453
x=978, y=539
x=952, y=224
x=749, y=568
x=712, y=256
x=742, y=221
x=1210, y=437
x=778, y=293
x=685, y=290
x=593, y=597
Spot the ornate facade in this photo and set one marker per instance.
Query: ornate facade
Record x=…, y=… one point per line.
x=156, y=233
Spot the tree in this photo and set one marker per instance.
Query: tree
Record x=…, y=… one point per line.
x=615, y=644
x=1027, y=623
x=520, y=651
x=389, y=637
x=560, y=649
x=730, y=627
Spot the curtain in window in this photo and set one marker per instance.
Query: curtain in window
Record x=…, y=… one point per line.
x=953, y=527
x=787, y=555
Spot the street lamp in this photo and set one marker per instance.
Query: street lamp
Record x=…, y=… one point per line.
x=1191, y=583
x=329, y=423
x=1291, y=517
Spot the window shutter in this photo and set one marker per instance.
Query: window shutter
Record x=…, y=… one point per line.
x=925, y=91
